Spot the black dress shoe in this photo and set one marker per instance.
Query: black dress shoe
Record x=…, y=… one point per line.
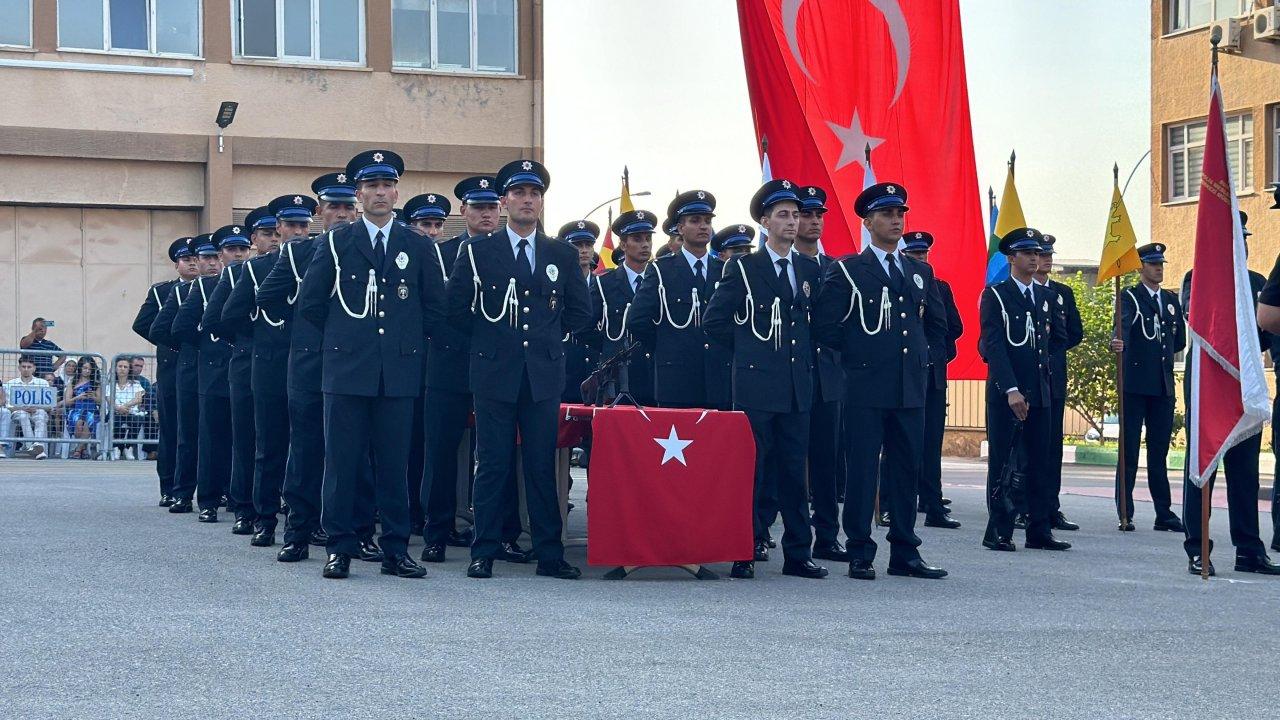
x=803, y=568
x=861, y=570
x=242, y=526
x=1000, y=545
x=761, y=553
x=460, y=539
x=743, y=570
x=369, y=551
x=1194, y=567
x=1171, y=524
x=263, y=538
x=832, y=551
x=338, y=566
x=433, y=553
x=1020, y=521
x=513, y=553
x=1260, y=564
x=180, y=506
x=941, y=521
x=481, y=568
x=208, y=515
x=319, y=538
x=768, y=540
x=946, y=501
x=293, y=552
x=882, y=520
x=402, y=566
x=165, y=501
x=917, y=568
x=1060, y=522
x=1046, y=543
x=225, y=502
x=1125, y=526
x=559, y=569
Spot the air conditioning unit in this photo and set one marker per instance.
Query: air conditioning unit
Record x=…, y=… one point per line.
x=1266, y=24
x=1231, y=29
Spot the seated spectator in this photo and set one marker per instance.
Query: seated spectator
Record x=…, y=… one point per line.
x=129, y=416
x=5, y=420
x=64, y=377
x=36, y=340
x=82, y=405
x=32, y=420
x=150, y=406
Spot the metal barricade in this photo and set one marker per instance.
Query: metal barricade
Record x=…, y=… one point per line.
x=52, y=405
x=132, y=407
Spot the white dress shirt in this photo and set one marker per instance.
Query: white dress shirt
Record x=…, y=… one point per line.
x=515, y=246
x=790, y=257
x=884, y=264
x=374, y=230
x=631, y=276
x=693, y=259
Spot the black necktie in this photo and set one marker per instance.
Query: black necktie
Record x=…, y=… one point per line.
x=524, y=271
x=788, y=295
x=895, y=275
x=697, y=271
x=379, y=252
x=637, y=283
x=1027, y=294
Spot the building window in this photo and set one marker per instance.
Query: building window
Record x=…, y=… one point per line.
x=163, y=27
x=15, y=23
x=1186, y=14
x=330, y=31
x=1275, y=145
x=462, y=35
x=1186, y=156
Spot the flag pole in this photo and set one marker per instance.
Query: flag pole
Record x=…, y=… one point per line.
x=1206, y=490
x=1122, y=480
x=1013, y=159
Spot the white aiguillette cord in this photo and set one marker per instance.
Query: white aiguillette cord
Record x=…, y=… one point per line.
x=749, y=314
x=204, y=299
x=1029, y=334
x=885, y=319
x=370, y=290
x=604, y=317
x=1142, y=321
x=253, y=277
x=695, y=310
x=510, y=302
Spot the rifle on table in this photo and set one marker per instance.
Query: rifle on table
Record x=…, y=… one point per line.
x=609, y=384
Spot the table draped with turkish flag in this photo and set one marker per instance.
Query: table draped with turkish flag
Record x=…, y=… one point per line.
x=828, y=78
x=670, y=487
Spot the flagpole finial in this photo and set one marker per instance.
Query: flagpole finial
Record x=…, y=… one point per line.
x=1215, y=38
x=764, y=143
x=1115, y=172
x=1013, y=160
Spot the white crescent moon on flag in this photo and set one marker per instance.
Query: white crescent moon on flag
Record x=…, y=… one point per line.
x=898, y=34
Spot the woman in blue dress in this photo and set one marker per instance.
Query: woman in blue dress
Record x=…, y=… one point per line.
x=82, y=404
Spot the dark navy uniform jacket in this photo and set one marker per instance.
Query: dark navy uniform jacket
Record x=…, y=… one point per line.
x=527, y=337
x=581, y=354
x=688, y=367
x=239, y=335
x=942, y=341
x=269, y=332
x=166, y=357
x=831, y=385
x=1017, y=354
x=614, y=295
x=214, y=350
x=276, y=295
x=884, y=351
x=381, y=352
x=773, y=375
x=449, y=354
x=1153, y=332
x=1066, y=314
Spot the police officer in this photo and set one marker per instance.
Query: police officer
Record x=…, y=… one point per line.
x=825, y=481
x=239, y=374
x=517, y=292
x=1241, y=465
x=615, y=293
x=1062, y=304
x=1017, y=339
x=166, y=364
x=375, y=290
x=773, y=369
x=582, y=348
x=874, y=308
x=942, y=350
x=426, y=214
x=304, y=466
x=690, y=370
x=270, y=367
x=1150, y=333
x=733, y=241
x=229, y=244
x=186, y=381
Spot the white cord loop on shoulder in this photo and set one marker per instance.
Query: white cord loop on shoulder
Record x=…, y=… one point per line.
x=664, y=310
x=1157, y=332
x=884, y=318
x=510, y=302
x=204, y=304
x=370, y=289
x=297, y=277
x=604, y=323
x=1029, y=333
x=257, y=310
x=748, y=314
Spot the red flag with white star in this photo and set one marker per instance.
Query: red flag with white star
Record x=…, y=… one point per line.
x=670, y=487
x=828, y=78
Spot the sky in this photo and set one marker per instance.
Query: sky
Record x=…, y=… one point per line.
x=659, y=86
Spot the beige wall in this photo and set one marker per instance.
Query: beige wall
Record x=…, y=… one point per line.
x=1179, y=93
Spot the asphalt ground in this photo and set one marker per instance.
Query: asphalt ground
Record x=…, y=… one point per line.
x=113, y=608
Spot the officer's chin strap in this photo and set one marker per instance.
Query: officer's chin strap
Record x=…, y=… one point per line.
x=695, y=310
x=749, y=314
x=1138, y=318
x=510, y=299
x=256, y=310
x=885, y=318
x=370, y=290
x=603, y=325
x=1028, y=335
x=297, y=278
x=204, y=299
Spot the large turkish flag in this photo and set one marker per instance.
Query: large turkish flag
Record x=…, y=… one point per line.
x=828, y=77
x=670, y=487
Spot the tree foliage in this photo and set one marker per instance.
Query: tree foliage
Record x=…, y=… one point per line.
x=1091, y=376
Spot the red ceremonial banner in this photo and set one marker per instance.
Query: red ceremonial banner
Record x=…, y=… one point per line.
x=670, y=487
x=829, y=78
